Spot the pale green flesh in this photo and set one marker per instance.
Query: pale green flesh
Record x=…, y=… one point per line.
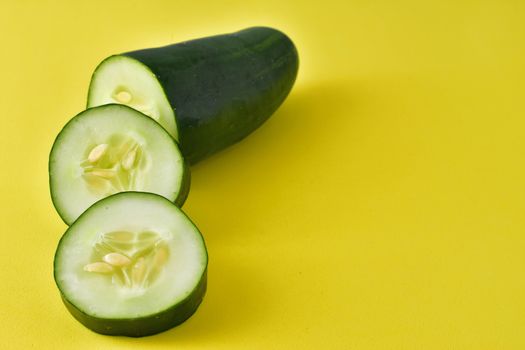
x=137, y=155
x=124, y=80
x=148, y=220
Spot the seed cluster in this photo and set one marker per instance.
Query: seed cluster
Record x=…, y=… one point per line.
x=112, y=168
x=132, y=260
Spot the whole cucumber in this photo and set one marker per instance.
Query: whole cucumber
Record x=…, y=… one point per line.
x=217, y=89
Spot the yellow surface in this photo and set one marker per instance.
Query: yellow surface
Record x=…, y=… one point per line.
x=382, y=206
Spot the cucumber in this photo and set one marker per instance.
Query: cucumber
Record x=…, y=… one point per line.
x=133, y=264
x=207, y=93
x=110, y=149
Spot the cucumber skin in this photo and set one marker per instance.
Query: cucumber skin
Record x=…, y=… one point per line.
x=143, y=326
x=223, y=87
x=185, y=186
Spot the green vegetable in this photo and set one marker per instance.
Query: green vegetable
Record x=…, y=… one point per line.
x=207, y=93
x=133, y=264
x=110, y=149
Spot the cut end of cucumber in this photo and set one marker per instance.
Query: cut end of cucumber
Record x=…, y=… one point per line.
x=132, y=264
x=110, y=149
x=124, y=80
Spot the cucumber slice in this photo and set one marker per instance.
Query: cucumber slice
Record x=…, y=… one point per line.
x=110, y=149
x=208, y=93
x=133, y=264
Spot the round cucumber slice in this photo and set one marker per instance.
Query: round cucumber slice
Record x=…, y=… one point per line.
x=133, y=264
x=110, y=149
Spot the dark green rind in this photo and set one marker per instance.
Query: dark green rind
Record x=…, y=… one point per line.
x=141, y=326
x=223, y=87
x=186, y=176
x=185, y=186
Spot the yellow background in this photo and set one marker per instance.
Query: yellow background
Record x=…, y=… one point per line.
x=381, y=207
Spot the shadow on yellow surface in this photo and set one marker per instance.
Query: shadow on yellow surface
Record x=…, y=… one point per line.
x=307, y=125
